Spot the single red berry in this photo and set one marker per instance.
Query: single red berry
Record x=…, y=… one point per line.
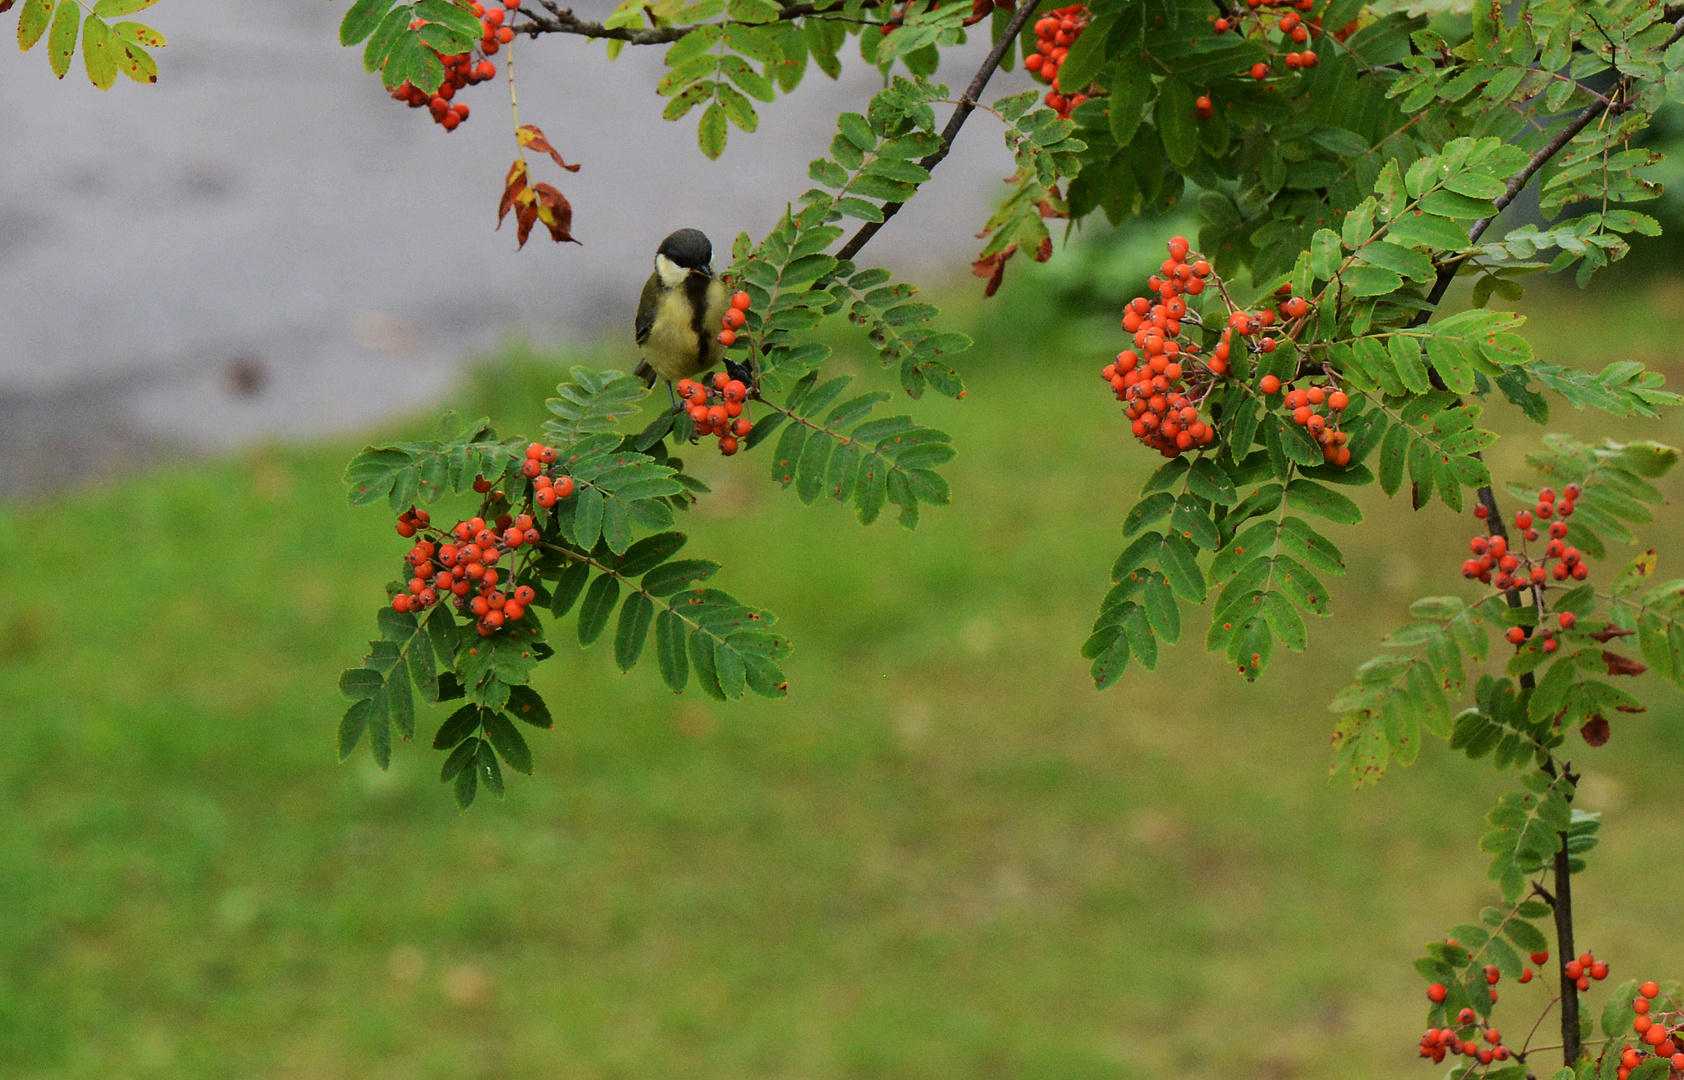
x=1436, y=993
x=1516, y=635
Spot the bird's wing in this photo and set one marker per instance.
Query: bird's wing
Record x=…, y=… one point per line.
x=646, y=305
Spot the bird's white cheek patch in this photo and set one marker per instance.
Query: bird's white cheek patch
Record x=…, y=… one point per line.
x=671, y=273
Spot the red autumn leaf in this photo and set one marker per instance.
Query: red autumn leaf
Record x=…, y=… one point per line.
x=1620, y=665
x=1044, y=252
x=1049, y=207
x=529, y=135
x=993, y=267
x=1595, y=731
x=980, y=10
x=556, y=213
x=1605, y=636
x=5, y=6
x=1631, y=708
x=512, y=189
x=526, y=216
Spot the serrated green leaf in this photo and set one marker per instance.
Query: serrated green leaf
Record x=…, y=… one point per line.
x=599, y=603
x=509, y=742
x=633, y=630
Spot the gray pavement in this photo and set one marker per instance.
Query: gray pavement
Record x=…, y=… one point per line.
x=265, y=245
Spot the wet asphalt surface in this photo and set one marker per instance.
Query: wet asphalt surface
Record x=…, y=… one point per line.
x=266, y=246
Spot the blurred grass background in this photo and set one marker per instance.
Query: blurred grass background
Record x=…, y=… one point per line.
x=943, y=856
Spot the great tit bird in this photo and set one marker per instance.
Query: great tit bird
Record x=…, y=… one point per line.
x=679, y=314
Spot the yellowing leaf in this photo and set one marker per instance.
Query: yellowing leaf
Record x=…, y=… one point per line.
x=33, y=21
x=139, y=34
x=61, y=43
x=105, y=9
x=99, y=53
x=137, y=63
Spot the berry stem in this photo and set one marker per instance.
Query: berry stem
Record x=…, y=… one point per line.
x=514, y=106
x=961, y=112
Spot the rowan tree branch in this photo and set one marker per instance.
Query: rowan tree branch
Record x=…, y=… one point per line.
x=561, y=20
x=961, y=112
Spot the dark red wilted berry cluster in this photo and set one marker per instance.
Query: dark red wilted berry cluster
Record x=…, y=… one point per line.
x=1287, y=35
x=463, y=69
x=1495, y=563
x=1055, y=33
x=716, y=407
x=1659, y=1030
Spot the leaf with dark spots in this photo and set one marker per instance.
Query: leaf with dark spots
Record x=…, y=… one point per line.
x=1621, y=665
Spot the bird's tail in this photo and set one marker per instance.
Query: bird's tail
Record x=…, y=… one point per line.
x=645, y=372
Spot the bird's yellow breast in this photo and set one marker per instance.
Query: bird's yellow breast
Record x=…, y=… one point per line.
x=675, y=346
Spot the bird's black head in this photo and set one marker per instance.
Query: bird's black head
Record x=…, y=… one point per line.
x=689, y=248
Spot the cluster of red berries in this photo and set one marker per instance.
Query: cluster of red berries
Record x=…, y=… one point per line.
x=546, y=489
x=1055, y=33
x=466, y=557
x=1495, y=564
x=1437, y=1042
x=1484, y=1045
x=1317, y=409
x=1293, y=30
x=1584, y=969
x=1661, y=1033
x=717, y=409
x=1165, y=381
x=1516, y=635
x=462, y=69
x=734, y=318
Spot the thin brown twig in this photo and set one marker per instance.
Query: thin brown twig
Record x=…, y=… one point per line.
x=961, y=112
x=561, y=20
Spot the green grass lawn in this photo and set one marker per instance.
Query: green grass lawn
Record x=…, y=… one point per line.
x=943, y=856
